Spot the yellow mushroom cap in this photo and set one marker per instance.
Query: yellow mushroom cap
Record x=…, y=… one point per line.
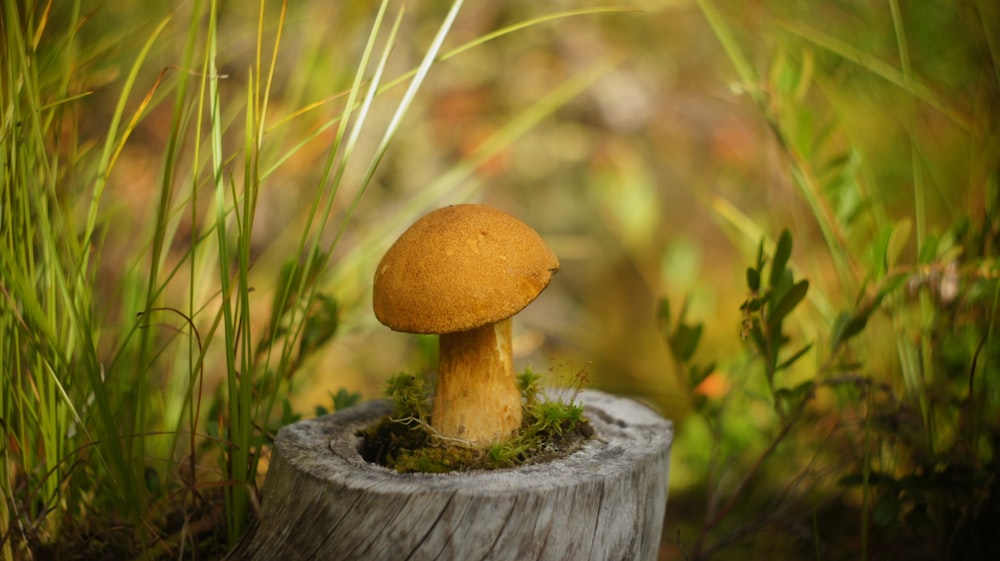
x=460, y=267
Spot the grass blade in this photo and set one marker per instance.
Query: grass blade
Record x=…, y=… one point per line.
x=882, y=69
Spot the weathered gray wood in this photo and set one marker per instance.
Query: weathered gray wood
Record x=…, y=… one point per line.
x=604, y=502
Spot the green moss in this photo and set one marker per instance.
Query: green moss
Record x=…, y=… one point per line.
x=402, y=441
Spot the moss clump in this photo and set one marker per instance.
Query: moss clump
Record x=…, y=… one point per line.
x=405, y=442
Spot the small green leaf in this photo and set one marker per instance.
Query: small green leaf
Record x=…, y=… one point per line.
x=753, y=279
x=781, y=254
x=786, y=399
x=152, y=478
x=886, y=512
x=838, y=161
x=699, y=402
x=760, y=255
x=321, y=324
x=791, y=360
x=682, y=339
x=284, y=293
x=751, y=305
x=685, y=340
x=344, y=399
x=847, y=326
x=757, y=336
x=663, y=316
x=288, y=415
x=786, y=304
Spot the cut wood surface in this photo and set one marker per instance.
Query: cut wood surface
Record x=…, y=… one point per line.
x=322, y=500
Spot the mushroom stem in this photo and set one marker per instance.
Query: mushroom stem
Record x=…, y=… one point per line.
x=476, y=399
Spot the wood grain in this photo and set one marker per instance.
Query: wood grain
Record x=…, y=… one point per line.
x=604, y=502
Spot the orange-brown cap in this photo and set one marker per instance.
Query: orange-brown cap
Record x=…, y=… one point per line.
x=458, y=268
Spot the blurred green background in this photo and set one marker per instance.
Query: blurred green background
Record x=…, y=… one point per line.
x=632, y=141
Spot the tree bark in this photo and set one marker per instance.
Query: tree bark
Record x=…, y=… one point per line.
x=604, y=502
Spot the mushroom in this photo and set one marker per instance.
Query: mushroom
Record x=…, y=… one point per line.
x=462, y=272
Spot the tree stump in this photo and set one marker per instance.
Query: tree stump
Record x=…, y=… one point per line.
x=604, y=502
